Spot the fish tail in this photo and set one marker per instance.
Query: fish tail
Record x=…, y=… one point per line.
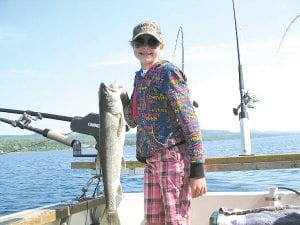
x=110, y=218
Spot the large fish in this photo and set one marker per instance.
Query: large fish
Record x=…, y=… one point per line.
x=111, y=143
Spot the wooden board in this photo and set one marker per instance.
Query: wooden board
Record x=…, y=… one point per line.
x=232, y=163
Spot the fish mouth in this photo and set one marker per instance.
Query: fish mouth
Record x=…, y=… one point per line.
x=111, y=87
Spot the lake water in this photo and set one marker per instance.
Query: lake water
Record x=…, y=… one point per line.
x=34, y=179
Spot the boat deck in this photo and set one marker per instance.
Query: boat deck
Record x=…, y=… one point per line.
x=131, y=208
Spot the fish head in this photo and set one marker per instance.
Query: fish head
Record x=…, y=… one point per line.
x=110, y=98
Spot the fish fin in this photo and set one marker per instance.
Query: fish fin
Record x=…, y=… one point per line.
x=123, y=163
x=121, y=127
x=110, y=218
x=98, y=162
x=119, y=195
x=119, y=191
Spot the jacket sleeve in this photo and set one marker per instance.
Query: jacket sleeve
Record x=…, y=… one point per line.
x=179, y=98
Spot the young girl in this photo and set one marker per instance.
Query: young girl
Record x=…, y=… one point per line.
x=169, y=140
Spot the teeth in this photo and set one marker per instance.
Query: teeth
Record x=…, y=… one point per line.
x=145, y=54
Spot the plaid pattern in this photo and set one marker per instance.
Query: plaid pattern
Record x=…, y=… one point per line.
x=167, y=196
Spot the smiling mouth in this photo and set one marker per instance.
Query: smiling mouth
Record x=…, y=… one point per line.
x=145, y=54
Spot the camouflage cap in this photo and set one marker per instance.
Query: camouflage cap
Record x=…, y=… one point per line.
x=147, y=27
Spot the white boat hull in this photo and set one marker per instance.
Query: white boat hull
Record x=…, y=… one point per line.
x=131, y=208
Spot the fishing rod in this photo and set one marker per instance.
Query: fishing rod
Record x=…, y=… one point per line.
x=247, y=100
x=88, y=125
x=38, y=114
x=180, y=31
x=24, y=121
x=281, y=41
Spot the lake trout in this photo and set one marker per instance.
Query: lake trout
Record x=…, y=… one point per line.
x=111, y=143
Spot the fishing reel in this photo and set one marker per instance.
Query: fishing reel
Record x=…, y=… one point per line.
x=25, y=120
x=249, y=100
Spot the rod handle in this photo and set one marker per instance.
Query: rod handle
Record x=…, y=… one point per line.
x=59, y=137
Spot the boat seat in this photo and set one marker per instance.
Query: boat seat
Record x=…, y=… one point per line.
x=270, y=215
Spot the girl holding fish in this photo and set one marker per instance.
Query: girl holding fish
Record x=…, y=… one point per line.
x=169, y=139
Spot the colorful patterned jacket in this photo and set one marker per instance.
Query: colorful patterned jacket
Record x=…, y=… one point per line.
x=161, y=109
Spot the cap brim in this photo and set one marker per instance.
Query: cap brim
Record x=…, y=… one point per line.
x=149, y=33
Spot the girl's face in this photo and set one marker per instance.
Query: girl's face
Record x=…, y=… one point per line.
x=146, y=49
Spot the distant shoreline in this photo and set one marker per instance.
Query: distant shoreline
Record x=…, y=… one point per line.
x=36, y=142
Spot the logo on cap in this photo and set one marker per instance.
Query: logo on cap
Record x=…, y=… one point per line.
x=147, y=27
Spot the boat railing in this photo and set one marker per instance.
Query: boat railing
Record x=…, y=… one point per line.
x=231, y=163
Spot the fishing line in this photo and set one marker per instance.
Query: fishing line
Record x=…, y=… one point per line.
x=180, y=30
x=87, y=212
x=290, y=189
x=29, y=146
x=42, y=142
x=39, y=143
x=97, y=187
x=286, y=32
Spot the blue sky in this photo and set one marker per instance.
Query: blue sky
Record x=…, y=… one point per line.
x=54, y=55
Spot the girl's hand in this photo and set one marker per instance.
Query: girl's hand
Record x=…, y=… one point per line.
x=198, y=186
